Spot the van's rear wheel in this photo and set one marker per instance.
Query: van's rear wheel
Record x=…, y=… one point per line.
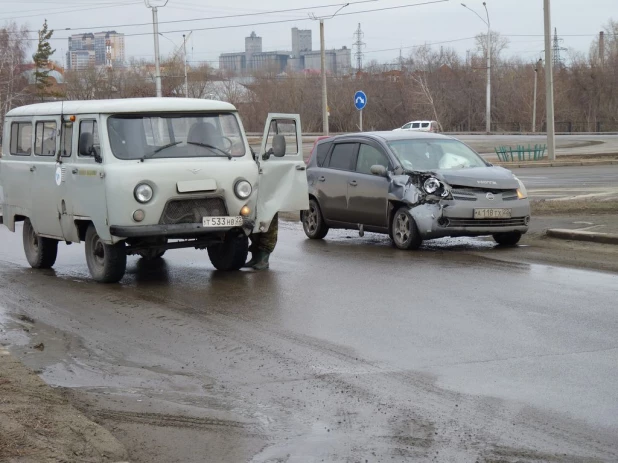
x=40, y=252
x=231, y=254
x=107, y=262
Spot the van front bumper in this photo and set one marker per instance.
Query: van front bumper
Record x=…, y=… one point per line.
x=183, y=230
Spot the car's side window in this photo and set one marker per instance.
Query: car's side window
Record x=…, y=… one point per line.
x=45, y=138
x=342, y=157
x=21, y=139
x=425, y=125
x=66, y=140
x=369, y=156
x=323, y=149
x=407, y=126
x=88, y=138
x=415, y=125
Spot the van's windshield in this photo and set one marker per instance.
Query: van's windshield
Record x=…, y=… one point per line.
x=175, y=136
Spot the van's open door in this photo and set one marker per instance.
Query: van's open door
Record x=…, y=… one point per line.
x=283, y=179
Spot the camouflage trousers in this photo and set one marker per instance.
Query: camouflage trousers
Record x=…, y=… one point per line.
x=266, y=242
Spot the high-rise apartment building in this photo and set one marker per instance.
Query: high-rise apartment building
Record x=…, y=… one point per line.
x=98, y=49
x=300, y=58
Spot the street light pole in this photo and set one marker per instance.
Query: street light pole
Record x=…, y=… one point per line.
x=549, y=85
x=536, y=78
x=488, y=92
x=323, y=67
x=488, y=109
x=154, y=4
x=324, y=91
x=184, y=44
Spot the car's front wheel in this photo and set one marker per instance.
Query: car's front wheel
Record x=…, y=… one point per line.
x=508, y=238
x=40, y=252
x=107, y=262
x=403, y=231
x=313, y=221
x=231, y=254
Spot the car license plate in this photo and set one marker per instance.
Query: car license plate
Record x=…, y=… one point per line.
x=492, y=213
x=222, y=222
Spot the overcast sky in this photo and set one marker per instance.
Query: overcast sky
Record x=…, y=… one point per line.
x=384, y=31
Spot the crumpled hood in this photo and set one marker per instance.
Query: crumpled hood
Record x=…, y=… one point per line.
x=480, y=177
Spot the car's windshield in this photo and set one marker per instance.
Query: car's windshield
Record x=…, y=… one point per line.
x=433, y=154
x=175, y=136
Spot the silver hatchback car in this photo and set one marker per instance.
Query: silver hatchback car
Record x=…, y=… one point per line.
x=413, y=186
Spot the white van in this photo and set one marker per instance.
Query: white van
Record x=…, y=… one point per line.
x=421, y=126
x=141, y=176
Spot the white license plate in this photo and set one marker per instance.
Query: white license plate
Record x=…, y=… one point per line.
x=222, y=222
x=492, y=213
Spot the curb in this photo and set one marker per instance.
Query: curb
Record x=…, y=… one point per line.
x=578, y=235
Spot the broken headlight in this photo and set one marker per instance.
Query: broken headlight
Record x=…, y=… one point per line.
x=431, y=185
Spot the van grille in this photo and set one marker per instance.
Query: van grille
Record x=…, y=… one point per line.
x=192, y=210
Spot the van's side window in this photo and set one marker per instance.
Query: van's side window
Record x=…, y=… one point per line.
x=90, y=130
x=45, y=138
x=66, y=142
x=21, y=138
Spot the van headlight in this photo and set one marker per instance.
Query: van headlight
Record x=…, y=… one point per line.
x=143, y=193
x=243, y=189
x=431, y=185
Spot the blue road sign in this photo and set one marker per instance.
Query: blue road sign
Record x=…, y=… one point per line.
x=360, y=100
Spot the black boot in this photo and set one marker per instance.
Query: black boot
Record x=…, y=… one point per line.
x=262, y=261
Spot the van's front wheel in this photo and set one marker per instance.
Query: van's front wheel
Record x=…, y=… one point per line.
x=107, y=262
x=40, y=252
x=231, y=254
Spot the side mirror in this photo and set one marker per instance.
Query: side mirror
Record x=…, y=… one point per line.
x=279, y=146
x=379, y=170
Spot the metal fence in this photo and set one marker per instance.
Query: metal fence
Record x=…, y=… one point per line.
x=518, y=127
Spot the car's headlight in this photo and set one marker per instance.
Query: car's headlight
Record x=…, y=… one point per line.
x=521, y=191
x=143, y=193
x=243, y=189
x=431, y=185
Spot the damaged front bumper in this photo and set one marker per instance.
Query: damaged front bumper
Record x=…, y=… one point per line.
x=450, y=218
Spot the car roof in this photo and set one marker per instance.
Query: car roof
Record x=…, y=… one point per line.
x=124, y=105
x=392, y=136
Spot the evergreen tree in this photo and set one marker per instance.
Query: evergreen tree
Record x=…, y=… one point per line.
x=41, y=61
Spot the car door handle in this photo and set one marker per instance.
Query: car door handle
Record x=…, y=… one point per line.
x=32, y=168
x=353, y=183
x=322, y=179
x=74, y=171
x=301, y=168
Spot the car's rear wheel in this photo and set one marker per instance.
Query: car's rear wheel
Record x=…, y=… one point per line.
x=507, y=239
x=107, y=262
x=313, y=221
x=404, y=231
x=231, y=254
x=40, y=252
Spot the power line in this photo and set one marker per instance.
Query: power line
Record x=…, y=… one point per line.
x=210, y=18
x=281, y=21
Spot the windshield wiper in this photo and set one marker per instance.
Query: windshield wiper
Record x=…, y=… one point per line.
x=160, y=148
x=212, y=147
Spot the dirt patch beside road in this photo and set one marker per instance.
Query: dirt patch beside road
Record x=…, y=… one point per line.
x=574, y=207
x=38, y=425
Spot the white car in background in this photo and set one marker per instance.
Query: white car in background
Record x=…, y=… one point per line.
x=421, y=126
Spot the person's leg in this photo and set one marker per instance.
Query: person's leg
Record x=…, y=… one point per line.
x=253, y=249
x=267, y=243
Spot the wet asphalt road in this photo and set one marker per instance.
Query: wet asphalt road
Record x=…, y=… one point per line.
x=346, y=350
